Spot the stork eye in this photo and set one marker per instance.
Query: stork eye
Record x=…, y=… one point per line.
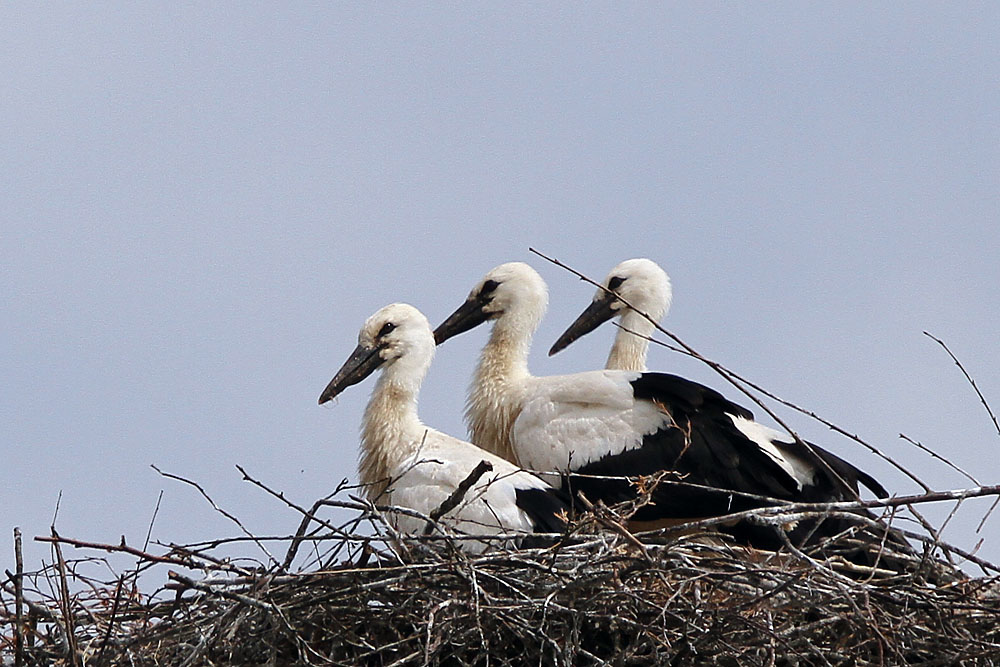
x=386, y=329
x=488, y=288
x=615, y=283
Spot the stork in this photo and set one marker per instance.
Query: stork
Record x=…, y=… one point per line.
x=645, y=294
x=609, y=424
x=405, y=463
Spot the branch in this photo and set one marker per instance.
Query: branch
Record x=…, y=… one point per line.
x=452, y=501
x=229, y=595
x=115, y=548
x=18, y=600
x=217, y=509
x=982, y=399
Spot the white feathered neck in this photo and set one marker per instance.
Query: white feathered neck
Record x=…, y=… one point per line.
x=391, y=430
x=502, y=375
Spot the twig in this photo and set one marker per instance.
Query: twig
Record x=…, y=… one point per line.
x=452, y=501
x=112, y=548
x=735, y=379
x=982, y=399
x=18, y=600
x=797, y=408
x=65, y=603
x=739, y=381
x=112, y=619
x=307, y=516
x=218, y=509
x=940, y=458
x=229, y=595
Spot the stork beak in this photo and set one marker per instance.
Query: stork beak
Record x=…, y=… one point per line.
x=362, y=362
x=469, y=315
x=598, y=312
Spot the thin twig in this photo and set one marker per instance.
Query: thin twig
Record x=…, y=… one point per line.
x=982, y=399
x=229, y=595
x=115, y=548
x=940, y=458
x=112, y=620
x=307, y=516
x=65, y=603
x=456, y=497
x=18, y=600
x=738, y=381
x=218, y=509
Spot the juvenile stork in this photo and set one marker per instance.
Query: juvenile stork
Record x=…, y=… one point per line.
x=608, y=424
x=644, y=288
x=405, y=463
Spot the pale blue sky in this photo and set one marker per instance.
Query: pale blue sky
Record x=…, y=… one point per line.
x=202, y=204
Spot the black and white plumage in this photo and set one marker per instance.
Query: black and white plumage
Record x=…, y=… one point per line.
x=628, y=423
x=405, y=463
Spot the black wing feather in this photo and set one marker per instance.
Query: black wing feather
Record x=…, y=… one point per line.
x=545, y=507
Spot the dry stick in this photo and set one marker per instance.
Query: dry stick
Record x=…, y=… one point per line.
x=152, y=520
x=940, y=458
x=809, y=413
x=732, y=377
x=64, y=602
x=452, y=501
x=982, y=522
x=954, y=510
x=307, y=517
x=229, y=595
x=616, y=526
x=113, y=548
x=982, y=399
x=114, y=616
x=18, y=600
x=219, y=563
x=310, y=516
x=218, y=509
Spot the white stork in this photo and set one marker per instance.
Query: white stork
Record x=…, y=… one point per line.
x=626, y=423
x=405, y=463
x=645, y=287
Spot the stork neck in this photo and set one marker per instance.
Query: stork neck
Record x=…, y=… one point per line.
x=391, y=431
x=629, y=350
x=496, y=390
x=505, y=356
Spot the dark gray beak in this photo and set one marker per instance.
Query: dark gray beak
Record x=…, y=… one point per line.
x=598, y=312
x=362, y=363
x=468, y=316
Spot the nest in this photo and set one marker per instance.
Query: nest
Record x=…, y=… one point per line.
x=598, y=594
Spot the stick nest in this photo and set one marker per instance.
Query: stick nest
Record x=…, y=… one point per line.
x=600, y=597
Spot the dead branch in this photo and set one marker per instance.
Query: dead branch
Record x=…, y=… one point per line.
x=113, y=548
x=982, y=399
x=458, y=495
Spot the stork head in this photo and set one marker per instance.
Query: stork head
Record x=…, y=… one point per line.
x=639, y=282
x=397, y=337
x=512, y=293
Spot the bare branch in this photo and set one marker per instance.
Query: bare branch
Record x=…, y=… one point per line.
x=218, y=509
x=456, y=497
x=982, y=399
